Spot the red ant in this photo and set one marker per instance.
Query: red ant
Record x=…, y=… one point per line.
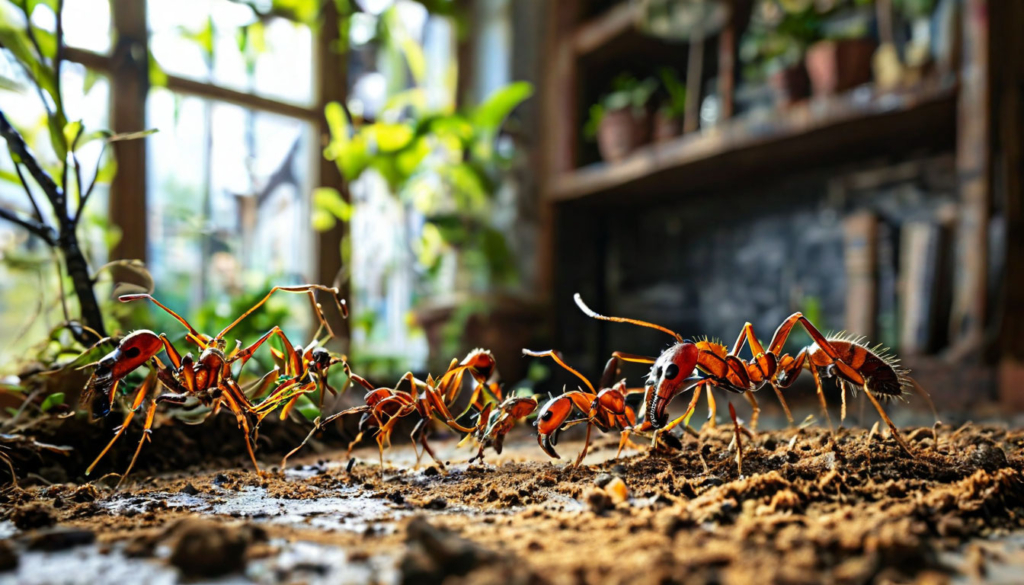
x=493, y=425
x=605, y=408
x=209, y=380
x=687, y=366
x=431, y=399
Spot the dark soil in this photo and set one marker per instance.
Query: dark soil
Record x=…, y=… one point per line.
x=807, y=508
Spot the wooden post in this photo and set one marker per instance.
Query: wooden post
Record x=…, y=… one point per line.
x=129, y=84
x=559, y=98
x=332, y=84
x=973, y=161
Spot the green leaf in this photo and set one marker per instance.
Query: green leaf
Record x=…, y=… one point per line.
x=322, y=220
x=71, y=133
x=389, y=137
x=10, y=177
x=330, y=200
x=307, y=408
x=47, y=42
x=490, y=115
x=91, y=77
x=157, y=76
x=106, y=173
x=55, y=399
x=414, y=57
x=56, y=124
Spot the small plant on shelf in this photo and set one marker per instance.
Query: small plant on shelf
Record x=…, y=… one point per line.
x=620, y=121
x=668, y=120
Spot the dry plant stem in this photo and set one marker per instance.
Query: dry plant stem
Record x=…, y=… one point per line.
x=739, y=439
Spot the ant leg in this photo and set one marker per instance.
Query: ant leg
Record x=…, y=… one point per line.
x=923, y=394
x=422, y=428
x=783, y=332
x=146, y=432
x=558, y=360
x=739, y=439
x=842, y=408
x=756, y=409
x=294, y=365
x=689, y=409
x=586, y=446
x=821, y=398
x=198, y=338
x=633, y=358
x=292, y=289
x=785, y=407
x=139, y=396
x=231, y=394
x=895, y=432
x=712, y=410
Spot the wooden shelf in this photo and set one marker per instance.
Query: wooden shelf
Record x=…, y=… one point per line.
x=598, y=32
x=827, y=131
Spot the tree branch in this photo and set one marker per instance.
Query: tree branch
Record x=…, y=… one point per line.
x=17, y=146
x=37, y=228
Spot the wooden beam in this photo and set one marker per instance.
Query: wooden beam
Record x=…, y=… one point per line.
x=599, y=31
x=974, y=143
x=129, y=85
x=205, y=90
x=559, y=107
x=332, y=86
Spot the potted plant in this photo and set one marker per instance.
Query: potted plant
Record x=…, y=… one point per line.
x=668, y=120
x=620, y=121
x=447, y=169
x=773, y=48
x=842, y=59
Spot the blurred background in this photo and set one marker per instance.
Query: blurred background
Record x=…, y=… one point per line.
x=460, y=168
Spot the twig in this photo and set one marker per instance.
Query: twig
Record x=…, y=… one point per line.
x=92, y=184
x=17, y=146
x=43, y=231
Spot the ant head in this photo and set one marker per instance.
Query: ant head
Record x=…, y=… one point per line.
x=481, y=364
x=132, y=352
x=668, y=377
x=520, y=407
x=321, y=359
x=549, y=422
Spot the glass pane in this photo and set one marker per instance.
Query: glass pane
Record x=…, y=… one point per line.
x=229, y=198
x=223, y=42
x=87, y=24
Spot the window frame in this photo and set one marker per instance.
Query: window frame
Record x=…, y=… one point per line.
x=127, y=67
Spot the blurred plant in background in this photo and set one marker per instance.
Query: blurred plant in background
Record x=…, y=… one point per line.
x=57, y=175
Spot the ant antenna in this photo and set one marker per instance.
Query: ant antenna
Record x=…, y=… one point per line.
x=590, y=313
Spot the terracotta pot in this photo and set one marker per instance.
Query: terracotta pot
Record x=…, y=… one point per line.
x=508, y=327
x=665, y=127
x=621, y=132
x=836, y=66
x=791, y=84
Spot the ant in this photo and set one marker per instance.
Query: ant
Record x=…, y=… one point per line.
x=494, y=425
x=606, y=408
x=209, y=380
x=686, y=366
x=383, y=407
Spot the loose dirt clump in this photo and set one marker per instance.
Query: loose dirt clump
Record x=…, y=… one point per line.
x=806, y=507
